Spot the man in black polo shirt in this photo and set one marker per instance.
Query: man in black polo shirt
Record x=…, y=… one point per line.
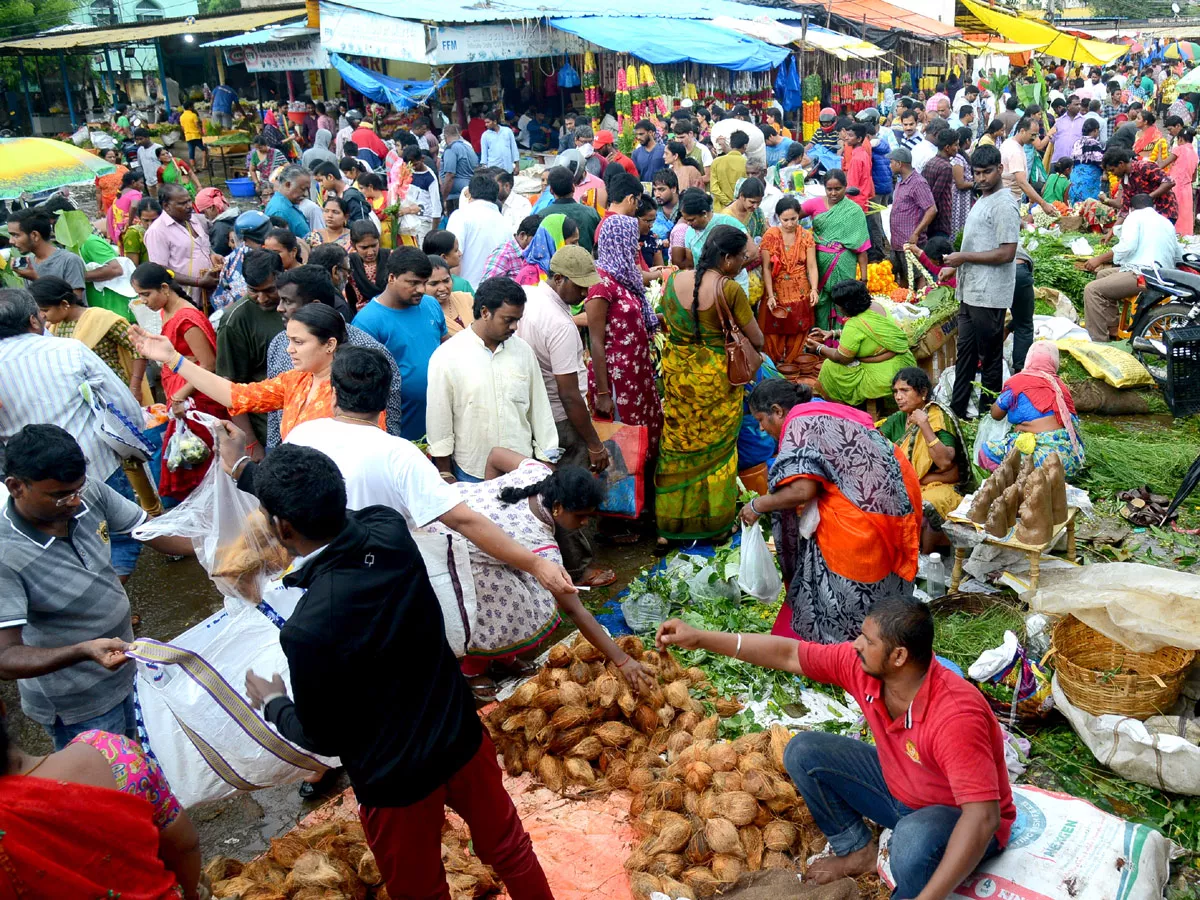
x=376, y=684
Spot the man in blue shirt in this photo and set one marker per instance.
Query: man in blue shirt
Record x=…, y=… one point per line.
x=411, y=325
x=498, y=146
x=290, y=188
x=648, y=155
x=776, y=145
x=224, y=99
x=459, y=162
x=538, y=131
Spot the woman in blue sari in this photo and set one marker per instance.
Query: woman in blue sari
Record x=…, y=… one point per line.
x=1088, y=156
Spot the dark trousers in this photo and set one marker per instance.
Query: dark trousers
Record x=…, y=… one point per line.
x=1022, y=315
x=980, y=349
x=407, y=840
x=878, y=241
x=577, y=547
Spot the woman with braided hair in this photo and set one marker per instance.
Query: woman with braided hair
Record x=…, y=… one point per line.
x=696, y=480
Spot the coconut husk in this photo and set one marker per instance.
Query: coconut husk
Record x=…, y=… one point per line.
x=691, y=802
x=514, y=762
x=549, y=699
x=707, y=729
x=775, y=859
x=666, y=715
x=755, y=741
x=752, y=841
x=232, y=887
x=752, y=761
x=759, y=784
x=722, y=837
x=586, y=651
x=532, y=757
x=640, y=857
x=1037, y=512
x=671, y=830
x=645, y=720
x=677, y=743
x=695, y=676
x=264, y=892
x=664, y=795
x=221, y=868
x=368, y=869
x=563, y=741
x=313, y=869
x=701, y=880
x=779, y=738
x=609, y=689
x=572, y=694
x=559, y=657
x=286, y=849
x=643, y=884
x=550, y=773
x=722, y=757
x=698, y=775
x=342, y=846
x=589, y=748
x=727, y=707
x=670, y=865
x=524, y=695
x=698, y=851
x=319, y=893
x=1056, y=475
x=566, y=717
x=265, y=871
x=780, y=836
x=738, y=807
x=641, y=779
x=626, y=701
x=580, y=771
x=579, y=672
x=708, y=806
x=678, y=694
x=632, y=645
x=535, y=721
x=618, y=774
x=688, y=721
x=728, y=781
x=728, y=869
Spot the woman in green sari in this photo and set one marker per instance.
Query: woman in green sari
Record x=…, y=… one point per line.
x=839, y=226
x=175, y=171
x=696, y=480
x=871, y=350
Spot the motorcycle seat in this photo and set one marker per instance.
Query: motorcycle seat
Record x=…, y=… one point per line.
x=1184, y=279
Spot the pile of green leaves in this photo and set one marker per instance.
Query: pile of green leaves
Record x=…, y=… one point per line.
x=1124, y=455
x=962, y=636
x=1053, y=267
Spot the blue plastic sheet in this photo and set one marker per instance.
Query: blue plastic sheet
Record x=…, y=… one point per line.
x=680, y=40
x=383, y=88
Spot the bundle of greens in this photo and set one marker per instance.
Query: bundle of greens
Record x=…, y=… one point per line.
x=1053, y=266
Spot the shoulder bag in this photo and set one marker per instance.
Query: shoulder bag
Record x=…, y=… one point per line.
x=742, y=361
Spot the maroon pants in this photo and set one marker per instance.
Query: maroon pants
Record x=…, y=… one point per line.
x=407, y=840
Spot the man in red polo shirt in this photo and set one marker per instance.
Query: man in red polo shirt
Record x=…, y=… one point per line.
x=936, y=775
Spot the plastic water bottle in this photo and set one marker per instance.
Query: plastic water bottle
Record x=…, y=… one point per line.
x=935, y=577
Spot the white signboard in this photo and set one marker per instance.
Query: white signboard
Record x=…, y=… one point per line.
x=299, y=55
x=360, y=33
x=484, y=43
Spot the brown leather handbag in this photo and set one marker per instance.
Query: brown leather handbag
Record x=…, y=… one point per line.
x=742, y=361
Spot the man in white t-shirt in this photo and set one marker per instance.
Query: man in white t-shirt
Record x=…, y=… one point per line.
x=1015, y=170
x=547, y=327
x=382, y=469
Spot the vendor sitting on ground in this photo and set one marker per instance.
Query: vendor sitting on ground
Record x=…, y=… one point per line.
x=936, y=773
x=872, y=348
x=1042, y=414
x=928, y=434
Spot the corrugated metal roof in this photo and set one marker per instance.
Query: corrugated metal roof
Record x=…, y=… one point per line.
x=474, y=11
x=886, y=16
x=144, y=31
x=285, y=32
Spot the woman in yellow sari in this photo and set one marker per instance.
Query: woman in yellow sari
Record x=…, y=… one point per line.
x=98, y=329
x=927, y=433
x=696, y=479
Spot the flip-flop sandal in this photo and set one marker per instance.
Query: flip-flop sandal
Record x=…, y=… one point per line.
x=598, y=579
x=484, y=688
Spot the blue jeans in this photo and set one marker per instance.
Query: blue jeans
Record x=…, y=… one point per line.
x=463, y=476
x=123, y=549
x=841, y=781
x=118, y=720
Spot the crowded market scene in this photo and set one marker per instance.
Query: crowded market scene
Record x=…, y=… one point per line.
x=816, y=518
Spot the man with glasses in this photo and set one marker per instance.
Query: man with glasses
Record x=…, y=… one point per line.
x=64, y=617
x=247, y=330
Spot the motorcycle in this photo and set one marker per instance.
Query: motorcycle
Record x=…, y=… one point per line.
x=1169, y=298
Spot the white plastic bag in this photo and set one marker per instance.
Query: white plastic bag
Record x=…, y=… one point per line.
x=80, y=136
x=989, y=430
x=757, y=575
x=199, y=725
x=1063, y=847
x=123, y=437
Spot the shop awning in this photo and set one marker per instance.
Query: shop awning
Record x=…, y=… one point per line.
x=284, y=32
x=438, y=12
x=1048, y=39
x=134, y=32
x=884, y=16
x=812, y=38
x=981, y=48
x=677, y=40
x=383, y=88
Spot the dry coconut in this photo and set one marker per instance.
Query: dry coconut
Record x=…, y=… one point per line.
x=738, y=807
x=640, y=780
x=727, y=869
x=643, y=884
x=774, y=859
x=287, y=849
x=722, y=837
x=752, y=842
x=707, y=729
x=313, y=869
x=550, y=773
x=698, y=776
x=368, y=869
x=670, y=865
x=580, y=771
x=677, y=889
x=702, y=881
x=524, y=695
x=722, y=757
x=559, y=657
x=780, y=835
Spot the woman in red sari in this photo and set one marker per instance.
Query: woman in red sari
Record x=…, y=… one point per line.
x=620, y=323
x=191, y=334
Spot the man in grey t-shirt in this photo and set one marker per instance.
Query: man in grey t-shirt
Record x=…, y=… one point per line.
x=986, y=278
x=64, y=617
x=31, y=232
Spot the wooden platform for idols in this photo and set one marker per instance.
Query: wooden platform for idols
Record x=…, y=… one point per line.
x=1010, y=542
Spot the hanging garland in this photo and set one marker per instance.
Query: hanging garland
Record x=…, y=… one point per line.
x=591, y=89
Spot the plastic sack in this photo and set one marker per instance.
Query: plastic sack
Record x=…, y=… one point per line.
x=567, y=76
x=1139, y=606
x=625, y=480
x=1134, y=751
x=198, y=723
x=185, y=450
x=1009, y=666
x=123, y=437
x=230, y=534
x=1118, y=368
x=757, y=574
x=1063, y=847
x=102, y=141
x=989, y=430
x=80, y=137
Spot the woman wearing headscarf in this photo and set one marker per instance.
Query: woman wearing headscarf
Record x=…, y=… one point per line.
x=264, y=157
x=211, y=204
x=320, y=150
x=620, y=324
x=1039, y=407
x=552, y=233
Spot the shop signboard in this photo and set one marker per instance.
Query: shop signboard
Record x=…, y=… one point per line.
x=300, y=55
x=356, y=32
x=497, y=41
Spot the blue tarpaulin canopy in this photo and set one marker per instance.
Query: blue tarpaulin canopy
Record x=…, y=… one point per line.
x=383, y=88
x=679, y=40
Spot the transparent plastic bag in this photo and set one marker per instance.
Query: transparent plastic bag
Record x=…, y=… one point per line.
x=228, y=529
x=758, y=575
x=185, y=450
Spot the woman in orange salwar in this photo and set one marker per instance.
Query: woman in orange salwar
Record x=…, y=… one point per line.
x=789, y=257
x=315, y=332
x=864, y=545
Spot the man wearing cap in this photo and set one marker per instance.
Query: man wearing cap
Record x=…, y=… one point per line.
x=826, y=137
x=498, y=144
x=913, y=210
x=606, y=148
x=250, y=230
x=548, y=329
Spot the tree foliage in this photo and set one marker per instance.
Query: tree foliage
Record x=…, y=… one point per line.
x=211, y=7
x=21, y=17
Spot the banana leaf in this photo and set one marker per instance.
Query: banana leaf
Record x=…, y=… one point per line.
x=1028, y=94
x=1041, y=80
x=71, y=229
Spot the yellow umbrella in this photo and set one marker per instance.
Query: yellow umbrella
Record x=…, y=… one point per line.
x=1051, y=41
x=30, y=165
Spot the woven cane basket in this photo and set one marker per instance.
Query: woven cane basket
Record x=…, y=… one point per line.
x=1103, y=678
